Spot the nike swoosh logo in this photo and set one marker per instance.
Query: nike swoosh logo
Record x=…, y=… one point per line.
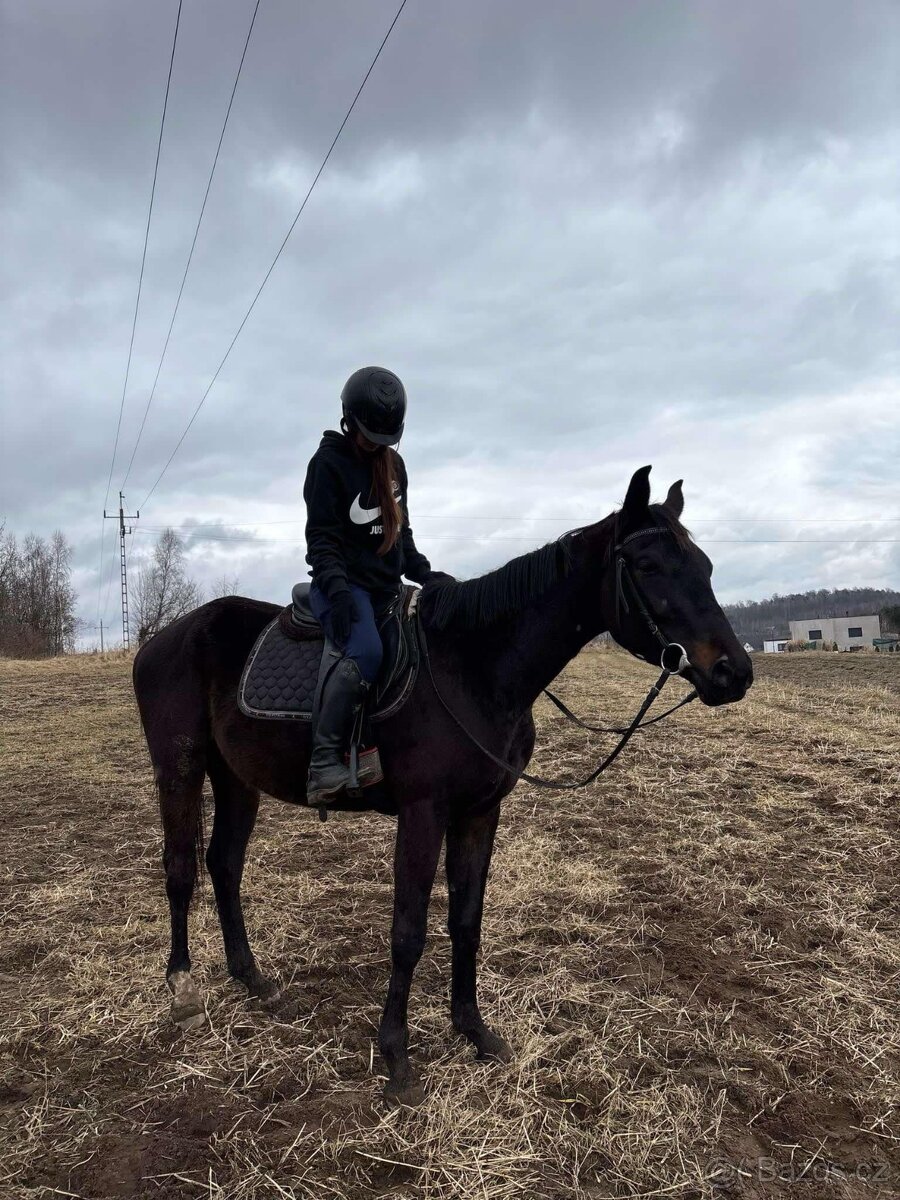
x=362, y=516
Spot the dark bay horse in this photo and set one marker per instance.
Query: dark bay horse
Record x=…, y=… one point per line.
x=494, y=643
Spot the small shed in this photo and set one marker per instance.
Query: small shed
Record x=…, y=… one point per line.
x=775, y=645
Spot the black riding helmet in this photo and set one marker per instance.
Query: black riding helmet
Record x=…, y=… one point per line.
x=374, y=402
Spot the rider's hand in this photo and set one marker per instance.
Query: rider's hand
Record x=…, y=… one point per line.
x=343, y=610
x=434, y=577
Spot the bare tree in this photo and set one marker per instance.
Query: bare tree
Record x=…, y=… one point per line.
x=163, y=591
x=7, y=551
x=37, y=600
x=9, y=554
x=225, y=585
x=61, y=606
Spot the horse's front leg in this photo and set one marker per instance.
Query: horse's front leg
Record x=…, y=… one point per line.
x=420, y=832
x=470, y=842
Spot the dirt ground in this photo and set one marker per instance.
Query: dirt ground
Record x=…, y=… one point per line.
x=696, y=959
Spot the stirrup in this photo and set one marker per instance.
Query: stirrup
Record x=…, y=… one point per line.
x=353, y=789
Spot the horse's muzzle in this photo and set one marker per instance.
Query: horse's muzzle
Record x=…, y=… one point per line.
x=725, y=682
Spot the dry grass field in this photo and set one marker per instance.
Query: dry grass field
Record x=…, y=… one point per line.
x=697, y=961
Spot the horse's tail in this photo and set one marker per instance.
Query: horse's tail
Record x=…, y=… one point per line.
x=200, y=839
x=172, y=700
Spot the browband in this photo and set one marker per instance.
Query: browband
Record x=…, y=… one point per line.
x=642, y=533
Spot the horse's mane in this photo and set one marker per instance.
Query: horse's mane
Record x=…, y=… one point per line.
x=474, y=603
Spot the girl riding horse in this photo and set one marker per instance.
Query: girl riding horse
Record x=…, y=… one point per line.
x=358, y=544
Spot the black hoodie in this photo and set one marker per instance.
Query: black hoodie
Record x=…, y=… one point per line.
x=343, y=524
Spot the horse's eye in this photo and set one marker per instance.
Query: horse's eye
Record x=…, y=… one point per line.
x=647, y=566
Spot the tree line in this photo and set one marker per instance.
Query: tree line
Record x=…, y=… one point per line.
x=756, y=620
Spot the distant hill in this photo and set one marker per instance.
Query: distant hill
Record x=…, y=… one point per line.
x=755, y=620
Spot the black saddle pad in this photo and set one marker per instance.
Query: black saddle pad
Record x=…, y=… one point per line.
x=280, y=675
x=279, y=678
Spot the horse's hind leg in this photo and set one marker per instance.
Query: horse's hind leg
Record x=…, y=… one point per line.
x=173, y=714
x=180, y=801
x=470, y=842
x=235, y=816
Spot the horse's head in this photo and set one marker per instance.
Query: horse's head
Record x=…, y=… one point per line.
x=657, y=591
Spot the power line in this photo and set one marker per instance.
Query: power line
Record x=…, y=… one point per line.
x=144, y=254
x=137, y=301
x=574, y=520
x=844, y=541
x=187, y=266
x=277, y=256
x=187, y=530
x=571, y=521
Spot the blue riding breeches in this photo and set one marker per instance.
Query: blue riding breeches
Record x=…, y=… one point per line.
x=364, y=643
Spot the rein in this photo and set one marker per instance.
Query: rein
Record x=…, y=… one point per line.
x=673, y=660
x=576, y=720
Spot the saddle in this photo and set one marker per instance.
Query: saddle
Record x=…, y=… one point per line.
x=292, y=656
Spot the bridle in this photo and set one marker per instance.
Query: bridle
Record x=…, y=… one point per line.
x=674, y=651
x=673, y=660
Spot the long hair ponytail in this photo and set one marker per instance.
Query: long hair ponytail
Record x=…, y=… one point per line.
x=383, y=477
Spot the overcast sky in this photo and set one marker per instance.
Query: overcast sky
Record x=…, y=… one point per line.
x=587, y=235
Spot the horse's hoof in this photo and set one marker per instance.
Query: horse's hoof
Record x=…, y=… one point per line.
x=188, y=1017
x=188, y=1011
x=265, y=989
x=257, y=986
x=409, y=1095
x=494, y=1048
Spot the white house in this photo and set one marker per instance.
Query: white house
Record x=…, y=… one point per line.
x=848, y=632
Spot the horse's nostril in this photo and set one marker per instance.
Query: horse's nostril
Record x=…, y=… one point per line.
x=723, y=673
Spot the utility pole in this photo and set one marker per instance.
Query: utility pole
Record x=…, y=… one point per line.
x=122, y=518
x=101, y=636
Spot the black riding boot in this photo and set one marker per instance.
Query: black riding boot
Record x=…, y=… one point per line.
x=342, y=696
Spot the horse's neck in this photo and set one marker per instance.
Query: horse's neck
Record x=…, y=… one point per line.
x=547, y=634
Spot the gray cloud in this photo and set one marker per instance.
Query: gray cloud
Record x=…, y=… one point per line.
x=587, y=239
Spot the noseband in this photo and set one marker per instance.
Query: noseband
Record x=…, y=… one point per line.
x=673, y=659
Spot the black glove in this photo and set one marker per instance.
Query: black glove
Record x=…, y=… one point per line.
x=343, y=610
x=434, y=577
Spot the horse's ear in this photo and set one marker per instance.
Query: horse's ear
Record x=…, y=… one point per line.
x=637, y=498
x=675, y=498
